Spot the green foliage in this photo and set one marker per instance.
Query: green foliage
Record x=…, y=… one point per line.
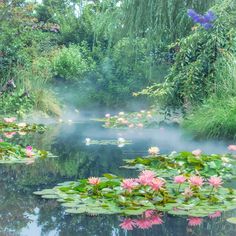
x=70, y=63
x=193, y=76
x=214, y=119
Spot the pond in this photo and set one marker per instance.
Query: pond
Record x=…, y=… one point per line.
x=22, y=213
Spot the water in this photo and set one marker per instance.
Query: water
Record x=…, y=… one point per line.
x=22, y=213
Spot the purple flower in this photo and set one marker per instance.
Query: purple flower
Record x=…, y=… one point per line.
x=207, y=26
x=192, y=13
x=210, y=16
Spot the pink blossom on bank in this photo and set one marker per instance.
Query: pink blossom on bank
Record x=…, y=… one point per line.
x=94, y=180
x=197, y=152
x=196, y=181
x=179, y=179
x=9, y=134
x=232, y=147
x=9, y=120
x=129, y=184
x=194, y=221
x=157, y=184
x=215, y=181
x=143, y=223
x=128, y=224
x=215, y=215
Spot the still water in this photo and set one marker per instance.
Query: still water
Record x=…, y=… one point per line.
x=22, y=213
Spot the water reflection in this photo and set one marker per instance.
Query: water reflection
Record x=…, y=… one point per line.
x=22, y=213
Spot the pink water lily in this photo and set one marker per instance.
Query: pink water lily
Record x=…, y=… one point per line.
x=29, y=151
x=156, y=220
x=197, y=152
x=129, y=184
x=194, y=221
x=146, y=177
x=149, y=213
x=215, y=181
x=196, y=181
x=179, y=179
x=128, y=224
x=232, y=147
x=157, y=184
x=9, y=134
x=140, y=125
x=108, y=115
x=143, y=223
x=9, y=120
x=215, y=214
x=94, y=180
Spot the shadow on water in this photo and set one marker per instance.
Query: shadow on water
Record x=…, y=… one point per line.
x=22, y=213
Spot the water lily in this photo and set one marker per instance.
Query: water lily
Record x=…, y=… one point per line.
x=157, y=184
x=232, y=147
x=188, y=192
x=9, y=134
x=121, y=140
x=121, y=113
x=197, y=152
x=87, y=141
x=29, y=151
x=94, y=180
x=9, y=120
x=21, y=125
x=196, y=181
x=194, y=221
x=156, y=220
x=139, y=115
x=215, y=214
x=146, y=177
x=128, y=224
x=153, y=151
x=149, y=213
x=108, y=115
x=215, y=181
x=140, y=125
x=143, y=223
x=179, y=179
x=131, y=125
x=22, y=133
x=129, y=184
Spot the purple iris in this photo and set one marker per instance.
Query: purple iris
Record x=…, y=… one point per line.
x=205, y=20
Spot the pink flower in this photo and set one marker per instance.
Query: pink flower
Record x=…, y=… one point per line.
x=232, y=147
x=179, y=179
x=9, y=120
x=128, y=224
x=108, y=115
x=131, y=126
x=143, y=223
x=194, y=221
x=216, y=182
x=125, y=122
x=1, y=140
x=129, y=184
x=140, y=125
x=215, y=215
x=149, y=213
x=29, y=151
x=196, y=181
x=9, y=134
x=197, y=152
x=188, y=192
x=157, y=184
x=94, y=180
x=139, y=115
x=146, y=177
x=156, y=220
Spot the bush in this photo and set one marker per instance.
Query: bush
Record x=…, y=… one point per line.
x=71, y=63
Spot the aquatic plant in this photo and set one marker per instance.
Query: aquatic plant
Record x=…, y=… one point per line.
x=186, y=163
x=120, y=142
x=11, y=153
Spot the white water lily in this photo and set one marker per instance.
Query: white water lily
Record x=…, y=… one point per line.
x=87, y=141
x=121, y=140
x=153, y=150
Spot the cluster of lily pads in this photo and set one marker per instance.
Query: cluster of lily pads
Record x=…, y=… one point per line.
x=195, y=192
x=142, y=119
x=120, y=142
x=9, y=126
x=13, y=153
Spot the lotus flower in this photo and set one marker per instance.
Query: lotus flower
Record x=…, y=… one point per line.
x=128, y=224
x=94, y=180
x=216, y=182
x=194, y=221
x=153, y=151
